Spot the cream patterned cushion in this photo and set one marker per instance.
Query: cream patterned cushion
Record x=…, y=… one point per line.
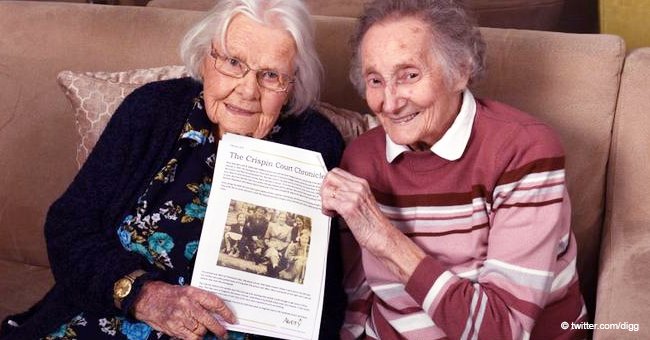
x=96, y=95
x=349, y=123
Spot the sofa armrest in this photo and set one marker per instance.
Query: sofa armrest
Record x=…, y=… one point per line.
x=625, y=252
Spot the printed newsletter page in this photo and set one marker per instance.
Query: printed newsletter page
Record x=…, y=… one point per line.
x=263, y=247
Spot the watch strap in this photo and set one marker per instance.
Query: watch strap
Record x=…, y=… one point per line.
x=132, y=277
x=129, y=301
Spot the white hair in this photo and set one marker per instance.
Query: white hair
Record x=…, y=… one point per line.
x=291, y=15
x=457, y=41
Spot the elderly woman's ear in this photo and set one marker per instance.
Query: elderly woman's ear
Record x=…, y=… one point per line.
x=460, y=81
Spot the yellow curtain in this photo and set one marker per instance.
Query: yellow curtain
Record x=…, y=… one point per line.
x=629, y=19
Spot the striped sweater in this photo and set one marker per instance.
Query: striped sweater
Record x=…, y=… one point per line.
x=495, y=225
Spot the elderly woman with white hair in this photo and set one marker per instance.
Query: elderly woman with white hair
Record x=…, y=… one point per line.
x=458, y=218
x=122, y=239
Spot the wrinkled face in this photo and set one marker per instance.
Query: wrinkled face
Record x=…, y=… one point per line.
x=405, y=85
x=239, y=105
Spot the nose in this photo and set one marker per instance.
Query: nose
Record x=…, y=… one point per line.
x=393, y=100
x=247, y=87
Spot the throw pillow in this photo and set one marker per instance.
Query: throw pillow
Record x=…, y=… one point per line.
x=96, y=95
x=349, y=123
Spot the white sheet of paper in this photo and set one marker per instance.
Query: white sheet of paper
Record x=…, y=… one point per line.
x=252, y=173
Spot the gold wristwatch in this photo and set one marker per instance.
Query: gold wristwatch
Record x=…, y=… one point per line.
x=122, y=287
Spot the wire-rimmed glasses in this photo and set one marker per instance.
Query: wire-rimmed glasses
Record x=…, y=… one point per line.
x=269, y=79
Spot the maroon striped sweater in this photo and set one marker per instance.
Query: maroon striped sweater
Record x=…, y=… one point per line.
x=495, y=225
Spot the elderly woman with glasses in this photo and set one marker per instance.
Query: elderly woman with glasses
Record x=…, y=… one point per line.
x=457, y=211
x=123, y=237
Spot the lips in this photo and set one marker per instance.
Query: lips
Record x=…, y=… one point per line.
x=237, y=110
x=404, y=119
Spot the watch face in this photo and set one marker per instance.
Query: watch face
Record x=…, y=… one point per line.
x=122, y=288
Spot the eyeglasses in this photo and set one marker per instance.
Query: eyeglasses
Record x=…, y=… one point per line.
x=266, y=78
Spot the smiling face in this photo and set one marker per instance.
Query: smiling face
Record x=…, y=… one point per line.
x=239, y=105
x=405, y=84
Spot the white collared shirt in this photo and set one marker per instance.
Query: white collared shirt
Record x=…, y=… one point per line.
x=453, y=143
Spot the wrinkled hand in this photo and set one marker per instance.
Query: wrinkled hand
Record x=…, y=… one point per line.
x=351, y=197
x=181, y=311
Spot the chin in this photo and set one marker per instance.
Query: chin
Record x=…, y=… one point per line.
x=239, y=129
x=401, y=136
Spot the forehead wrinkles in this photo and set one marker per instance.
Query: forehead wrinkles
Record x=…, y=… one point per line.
x=259, y=45
x=393, y=45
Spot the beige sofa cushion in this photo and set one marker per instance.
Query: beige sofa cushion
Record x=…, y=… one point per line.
x=570, y=81
x=623, y=286
x=344, y=8
x=23, y=287
x=529, y=14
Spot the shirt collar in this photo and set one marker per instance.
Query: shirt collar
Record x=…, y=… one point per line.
x=453, y=143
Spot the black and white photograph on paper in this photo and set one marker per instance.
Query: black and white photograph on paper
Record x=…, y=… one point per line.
x=265, y=241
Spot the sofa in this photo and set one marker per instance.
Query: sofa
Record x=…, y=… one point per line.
x=593, y=92
x=579, y=16
x=528, y=14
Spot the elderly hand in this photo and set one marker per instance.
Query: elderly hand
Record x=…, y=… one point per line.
x=351, y=197
x=181, y=311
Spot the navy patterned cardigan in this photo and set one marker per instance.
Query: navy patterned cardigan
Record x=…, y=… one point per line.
x=85, y=254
